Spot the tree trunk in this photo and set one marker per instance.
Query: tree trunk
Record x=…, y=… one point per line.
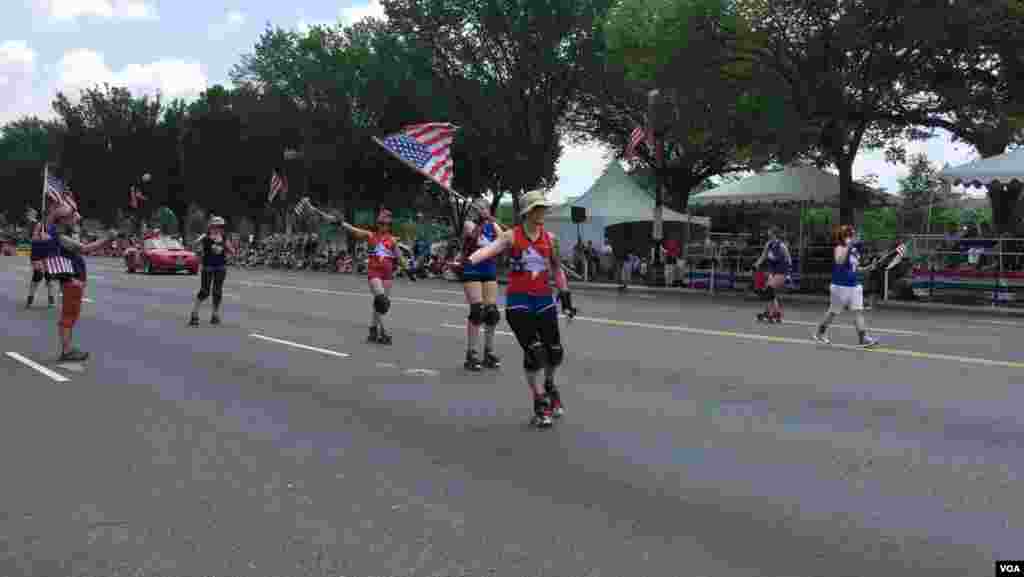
x=847, y=200
x=1004, y=199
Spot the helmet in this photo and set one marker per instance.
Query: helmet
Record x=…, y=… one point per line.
x=479, y=208
x=216, y=221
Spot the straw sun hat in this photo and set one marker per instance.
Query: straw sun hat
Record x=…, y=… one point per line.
x=532, y=200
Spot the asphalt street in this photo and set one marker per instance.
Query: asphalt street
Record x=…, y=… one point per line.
x=697, y=442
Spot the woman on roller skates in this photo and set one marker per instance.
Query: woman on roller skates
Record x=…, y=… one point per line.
x=215, y=249
x=42, y=246
x=530, y=305
x=779, y=264
x=480, y=283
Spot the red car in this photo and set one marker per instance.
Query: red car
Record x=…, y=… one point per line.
x=161, y=253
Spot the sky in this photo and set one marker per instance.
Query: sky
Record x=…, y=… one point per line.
x=179, y=47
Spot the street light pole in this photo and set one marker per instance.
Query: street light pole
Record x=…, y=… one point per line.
x=653, y=101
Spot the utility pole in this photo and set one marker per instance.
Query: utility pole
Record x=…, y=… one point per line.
x=656, y=274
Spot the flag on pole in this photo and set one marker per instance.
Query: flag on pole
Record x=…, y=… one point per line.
x=278, y=185
x=425, y=148
x=636, y=138
x=135, y=197
x=55, y=191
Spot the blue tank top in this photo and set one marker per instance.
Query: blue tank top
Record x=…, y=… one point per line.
x=213, y=254
x=777, y=261
x=845, y=274
x=488, y=234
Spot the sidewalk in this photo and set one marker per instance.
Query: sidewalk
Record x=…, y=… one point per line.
x=894, y=304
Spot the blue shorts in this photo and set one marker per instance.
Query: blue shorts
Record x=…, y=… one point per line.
x=40, y=250
x=483, y=272
x=540, y=306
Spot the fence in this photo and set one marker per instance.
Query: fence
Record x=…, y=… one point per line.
x=942, y=268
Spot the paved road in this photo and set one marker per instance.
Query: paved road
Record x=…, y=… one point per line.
x=697, y=442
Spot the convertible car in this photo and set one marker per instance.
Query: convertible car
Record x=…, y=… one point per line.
x=161, y=253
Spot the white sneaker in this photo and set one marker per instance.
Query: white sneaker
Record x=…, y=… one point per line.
x=821, y=338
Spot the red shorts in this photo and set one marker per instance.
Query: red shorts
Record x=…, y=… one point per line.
x=380, y=272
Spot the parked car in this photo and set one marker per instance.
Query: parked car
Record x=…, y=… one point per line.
x=161, y=254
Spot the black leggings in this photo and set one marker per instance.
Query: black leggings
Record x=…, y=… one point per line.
x=530, y=327
x=212, y=279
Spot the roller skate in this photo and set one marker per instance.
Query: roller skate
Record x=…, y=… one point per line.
x=50, y=301
x=372, y=338
x=215, y=319
x=764, y=317
x=867, y=342
x=555, y=397
x=776, y=318
x=821, y=336
x=383, y=337
x=491, y=360
x=193, y=321
x=28, y=302
x=472, y=362
x=542, y=413
x=73, y=356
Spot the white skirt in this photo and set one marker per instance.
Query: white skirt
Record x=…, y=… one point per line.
x=846, y=297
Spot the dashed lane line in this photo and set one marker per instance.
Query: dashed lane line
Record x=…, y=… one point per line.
x=300, y=346
x=40, y=368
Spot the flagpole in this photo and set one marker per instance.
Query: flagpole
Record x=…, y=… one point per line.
x=46, y=175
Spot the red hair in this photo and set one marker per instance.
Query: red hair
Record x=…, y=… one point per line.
x=841, y=233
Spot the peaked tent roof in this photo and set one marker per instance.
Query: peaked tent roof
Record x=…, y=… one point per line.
x=617, y=198
x=791, y=184
x=1002, y=168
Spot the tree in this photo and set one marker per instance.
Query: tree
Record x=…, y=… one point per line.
x=511, y=71
x=921, y=189
x=713, y=113
x=853, y=71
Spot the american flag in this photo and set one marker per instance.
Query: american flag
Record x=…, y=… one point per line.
x=135, y=197
x=426, y=148
x=636, y=138
x=55, y=194
x=278, y=185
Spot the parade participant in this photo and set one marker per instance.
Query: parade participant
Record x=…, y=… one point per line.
x=41, y=246
x=530, y=307
x=779, y=264
x=846, y=290
x=215, y=248
x=480, y=283
x=383, y=256
x=66, y=263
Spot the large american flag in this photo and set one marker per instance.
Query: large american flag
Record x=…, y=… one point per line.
x=278, y=185
x=426, y=148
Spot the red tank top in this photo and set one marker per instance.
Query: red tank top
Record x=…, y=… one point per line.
x=382, y=251
x=530, y=264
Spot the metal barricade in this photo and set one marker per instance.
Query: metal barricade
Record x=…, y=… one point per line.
x=967, y=270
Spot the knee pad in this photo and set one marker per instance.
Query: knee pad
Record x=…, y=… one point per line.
x=37, y=276
x=535, y=358
x=381, y=304
x=476, y=313
x=555, y=354
x=203, y=294
x=491, y=315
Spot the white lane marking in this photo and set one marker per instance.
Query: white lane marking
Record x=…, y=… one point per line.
x=453, y=326
x=387, y=366
x=32, y=364
x=698, y=331
x=300, y=346
x=447, y=292
x=999, y=323
x=425, y=372
x=788, y=340
x=230, y=296
x=847, y=326
x=101, y=277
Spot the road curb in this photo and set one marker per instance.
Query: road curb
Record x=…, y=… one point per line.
x=993, y=311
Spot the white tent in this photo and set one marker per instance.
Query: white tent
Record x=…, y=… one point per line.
x=1003, y=168
x=614, y=198
x=794, y=184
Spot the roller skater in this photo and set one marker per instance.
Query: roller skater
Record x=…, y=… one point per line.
x=383, y=255
x=779, y=264
x=66, y=263
x=530, y=306
x=480, y=283
x=215, y=248
x=41, y=246
x=846, y=290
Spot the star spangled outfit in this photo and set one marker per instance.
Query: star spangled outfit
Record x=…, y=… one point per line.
x=484, y=233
